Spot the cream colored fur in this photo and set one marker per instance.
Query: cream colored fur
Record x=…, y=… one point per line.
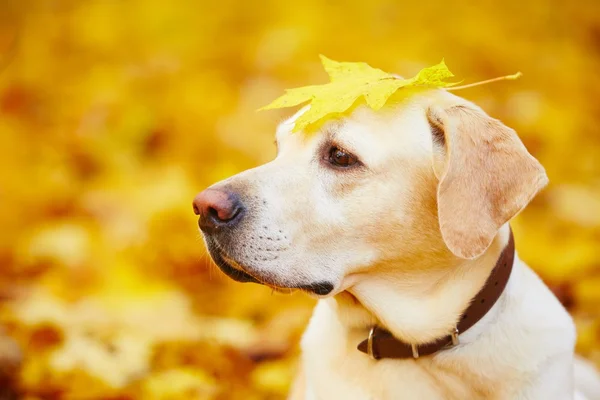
x=407, y=240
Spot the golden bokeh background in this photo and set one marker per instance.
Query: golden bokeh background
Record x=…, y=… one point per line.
x=115, y=113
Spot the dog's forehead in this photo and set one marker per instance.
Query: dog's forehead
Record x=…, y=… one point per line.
x=401, y=128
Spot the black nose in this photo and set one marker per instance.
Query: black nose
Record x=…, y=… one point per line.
x=217, y=208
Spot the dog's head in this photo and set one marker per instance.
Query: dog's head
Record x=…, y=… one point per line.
x=433, y=176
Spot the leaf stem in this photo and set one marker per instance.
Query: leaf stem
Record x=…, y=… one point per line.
x=501, y=78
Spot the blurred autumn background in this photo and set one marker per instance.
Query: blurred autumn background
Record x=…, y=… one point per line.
x=115, y=113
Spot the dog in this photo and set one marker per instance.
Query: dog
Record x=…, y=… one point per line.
x=397, y=220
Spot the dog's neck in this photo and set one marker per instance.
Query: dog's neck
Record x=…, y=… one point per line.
x=421, y=305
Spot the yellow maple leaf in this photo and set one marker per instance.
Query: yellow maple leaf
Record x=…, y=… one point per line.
x=351, y=80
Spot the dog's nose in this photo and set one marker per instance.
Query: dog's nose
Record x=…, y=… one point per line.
x=217, y=208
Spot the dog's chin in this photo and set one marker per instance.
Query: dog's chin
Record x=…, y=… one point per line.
x=237, y=272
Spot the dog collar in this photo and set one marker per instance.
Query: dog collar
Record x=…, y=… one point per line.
x=382, y=344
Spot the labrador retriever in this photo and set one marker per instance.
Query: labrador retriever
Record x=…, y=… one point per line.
x=397, y=220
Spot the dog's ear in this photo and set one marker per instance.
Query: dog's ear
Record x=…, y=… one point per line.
x=486, y=176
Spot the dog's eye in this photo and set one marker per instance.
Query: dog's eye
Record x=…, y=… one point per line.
x=341, y=158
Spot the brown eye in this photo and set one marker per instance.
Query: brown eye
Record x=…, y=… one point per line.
x=341, y=158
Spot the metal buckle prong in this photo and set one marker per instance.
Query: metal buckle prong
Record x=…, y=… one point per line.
x=415, y=350
x=454, y=335
x=370, y=344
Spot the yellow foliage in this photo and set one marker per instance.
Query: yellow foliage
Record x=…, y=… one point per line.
x=273, y=377
x=114, y=114
x=179, y=384
x=349, y=82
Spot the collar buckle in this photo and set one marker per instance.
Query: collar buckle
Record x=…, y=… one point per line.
x=454, y=336
x=370, y=344
x=415, y=351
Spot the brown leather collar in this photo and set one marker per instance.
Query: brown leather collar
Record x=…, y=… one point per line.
x=381, y=343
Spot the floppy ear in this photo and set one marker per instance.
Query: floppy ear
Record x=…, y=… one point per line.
x=486, y=176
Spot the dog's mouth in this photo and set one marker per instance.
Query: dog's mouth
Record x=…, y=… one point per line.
x=235, y=271
x=226, y=266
